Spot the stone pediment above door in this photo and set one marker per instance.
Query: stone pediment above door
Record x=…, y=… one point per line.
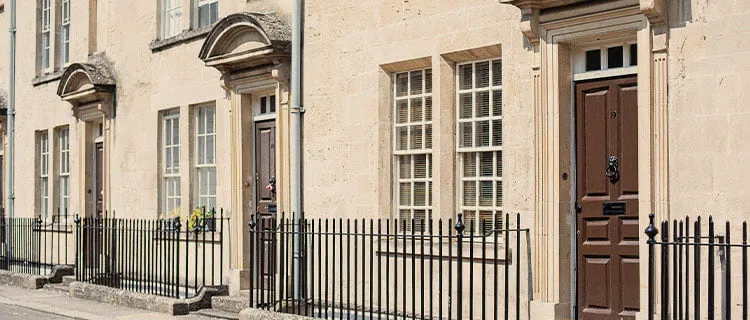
x=555, y=13
x=89, y=87
x=246, y=40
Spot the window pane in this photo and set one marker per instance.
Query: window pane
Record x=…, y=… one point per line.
x=402, y=111
x=497, y=133
x=470, y=164
x=420, y=194
x=428, y=136
x=405, y=193
x=201, y=143
x=470, y=193
x=175, y=159
x=465, y=105
x=210, y=149
x=485, y=193
x=211, y=120
x=483, y=134
x=428, y=109
x=272, y=103
x=593, y=60
x=486, y=164
x=464, y=134
x=497, y=103
x=634, y=54
x=203, y=16
x=416, y=109
x=402, y=84
x=402, y=138
x=428, y=81
x=497, y=73
x=214, y=12
x=465, y=73
x=212, y=181
x=416, y=82
x=404, y=165
x=614, y=57
x=420, y=166
x=262, y=105
x=482, y=74
x=416, y=137
x=483, y=104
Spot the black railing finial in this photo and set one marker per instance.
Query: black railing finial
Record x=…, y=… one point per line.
x=77, y=219
x=651, y=230
x=177, y=224
x=251, y=224
x=460, y=224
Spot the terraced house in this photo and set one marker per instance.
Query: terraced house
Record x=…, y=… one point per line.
x=580, y=116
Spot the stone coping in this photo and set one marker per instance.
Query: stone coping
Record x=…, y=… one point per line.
x=29, y=281
x=144, y=301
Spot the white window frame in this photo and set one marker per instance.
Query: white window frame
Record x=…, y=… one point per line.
x=205, y=165
x=171, y=184
x=46, y=34
x=65, y=32
x=473, y=222
x=579, y=61
x=171, y=18
x=196, y=12
x=43, y=198
x=64, y=175
x=270, y=107
x=411, y=153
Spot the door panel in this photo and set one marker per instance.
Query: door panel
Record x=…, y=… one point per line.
x=265, y=167
x=265, y=197
x=607, y=186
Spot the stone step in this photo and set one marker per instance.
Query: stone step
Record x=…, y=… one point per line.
x=67, y=280
x=56, y=287
x=218, y=314
x=233, y=304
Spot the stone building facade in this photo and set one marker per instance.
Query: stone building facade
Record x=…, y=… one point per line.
x=413, y=109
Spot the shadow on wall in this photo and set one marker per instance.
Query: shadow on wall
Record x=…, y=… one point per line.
x=680, y=13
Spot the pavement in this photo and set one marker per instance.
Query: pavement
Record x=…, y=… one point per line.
x=18, y=303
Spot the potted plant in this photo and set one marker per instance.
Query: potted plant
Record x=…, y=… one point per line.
x=201, y=220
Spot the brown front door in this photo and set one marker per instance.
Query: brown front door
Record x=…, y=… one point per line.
x=99, y=181
x=265, y=198
x=607, y=187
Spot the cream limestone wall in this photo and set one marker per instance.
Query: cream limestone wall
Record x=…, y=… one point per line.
x=709, y=136
x=347, y=138
x=147, y=82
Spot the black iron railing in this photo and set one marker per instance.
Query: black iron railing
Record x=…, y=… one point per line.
x=694, y=269
x=166, y=257
x=366, y=269
x=34, y=246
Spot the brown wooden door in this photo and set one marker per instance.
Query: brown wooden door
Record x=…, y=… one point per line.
x=607, y=186
x=98, y=180
x=265, y=198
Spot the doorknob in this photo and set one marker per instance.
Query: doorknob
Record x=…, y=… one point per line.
x=612, y=171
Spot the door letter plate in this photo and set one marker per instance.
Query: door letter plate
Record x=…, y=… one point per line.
x=613, y=208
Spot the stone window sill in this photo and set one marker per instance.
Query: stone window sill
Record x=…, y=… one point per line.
x=184, y=37
x=46, y=78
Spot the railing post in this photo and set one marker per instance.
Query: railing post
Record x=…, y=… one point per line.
x=251, y=225
x=78, y=250
x=651, y=232
x=459, y=272
x=176, y=230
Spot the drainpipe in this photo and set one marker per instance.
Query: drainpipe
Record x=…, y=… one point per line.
x=295, y=154
x=11, y=123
